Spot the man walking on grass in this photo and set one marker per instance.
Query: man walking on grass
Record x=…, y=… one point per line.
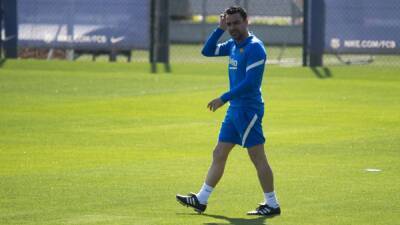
x=243, y=121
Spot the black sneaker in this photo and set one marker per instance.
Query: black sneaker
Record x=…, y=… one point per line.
x=265, y=210
x=191, y=201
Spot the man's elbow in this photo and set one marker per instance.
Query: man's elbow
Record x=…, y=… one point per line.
x=204, y=52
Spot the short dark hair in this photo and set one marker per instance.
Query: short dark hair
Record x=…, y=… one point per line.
x=236, y=9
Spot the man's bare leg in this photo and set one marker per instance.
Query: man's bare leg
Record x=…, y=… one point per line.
x=220, y=156
x=264, y=172
x=199, y=201
x=216, y=170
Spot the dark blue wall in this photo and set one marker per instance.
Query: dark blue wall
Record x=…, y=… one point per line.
x=84, y=24
x=362, y=26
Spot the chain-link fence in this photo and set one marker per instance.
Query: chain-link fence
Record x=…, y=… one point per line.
x=362, y=32
x=123, y=25
x=278, y=23
x=55, y=28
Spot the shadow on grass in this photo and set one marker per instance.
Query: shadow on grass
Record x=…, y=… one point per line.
x=260, y=220
x=323, y=73
x=2, y=61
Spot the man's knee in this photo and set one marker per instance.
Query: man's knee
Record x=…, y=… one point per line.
x=221, y=152
x=219, y=155
x=257, y=156
x=259, y=163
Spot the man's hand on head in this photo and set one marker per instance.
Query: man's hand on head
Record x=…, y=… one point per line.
x=215, y=104
x=222, y=21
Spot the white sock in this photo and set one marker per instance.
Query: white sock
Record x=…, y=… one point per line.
x=204, y=193
x=270, y=199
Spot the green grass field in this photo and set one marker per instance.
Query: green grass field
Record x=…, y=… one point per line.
x=101, y=143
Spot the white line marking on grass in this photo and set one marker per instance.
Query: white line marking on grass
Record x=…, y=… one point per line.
x=373, y=170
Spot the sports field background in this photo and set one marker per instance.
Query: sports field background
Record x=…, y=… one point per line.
x=103, y=143
x=287, y=56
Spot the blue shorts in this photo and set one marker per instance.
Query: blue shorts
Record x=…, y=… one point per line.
x=242, y=126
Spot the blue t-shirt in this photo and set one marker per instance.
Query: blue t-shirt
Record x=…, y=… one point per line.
x=246, y=67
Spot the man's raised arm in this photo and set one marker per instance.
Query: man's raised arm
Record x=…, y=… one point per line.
x=211, y=48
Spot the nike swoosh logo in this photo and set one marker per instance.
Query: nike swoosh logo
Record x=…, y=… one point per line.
x=115, y=40
x=9, y=38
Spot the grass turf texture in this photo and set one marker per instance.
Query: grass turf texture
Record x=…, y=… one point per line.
x=100, y=143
